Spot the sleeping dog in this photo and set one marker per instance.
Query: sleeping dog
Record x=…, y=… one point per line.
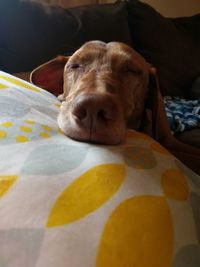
x=105, y=86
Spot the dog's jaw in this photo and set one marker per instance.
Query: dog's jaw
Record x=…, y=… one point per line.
x=110, y=134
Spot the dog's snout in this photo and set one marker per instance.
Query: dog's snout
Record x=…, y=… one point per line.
x=91, y=109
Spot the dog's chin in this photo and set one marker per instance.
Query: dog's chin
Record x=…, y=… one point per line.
x=103, y=139
x=106, y=136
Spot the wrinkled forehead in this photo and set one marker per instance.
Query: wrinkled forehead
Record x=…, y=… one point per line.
x=91, y=50
x=114, y=52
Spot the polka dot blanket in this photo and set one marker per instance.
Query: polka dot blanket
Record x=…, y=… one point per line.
x=71, y=204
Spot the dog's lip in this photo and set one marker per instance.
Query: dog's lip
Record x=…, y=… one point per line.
x=98, y=137
x=95, y=140
x=109, y=134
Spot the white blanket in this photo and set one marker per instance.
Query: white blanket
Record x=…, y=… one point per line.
x=71, y=204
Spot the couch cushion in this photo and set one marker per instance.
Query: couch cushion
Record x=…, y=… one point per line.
x=191, y=137
x=171, y=45
x=32, y=33
x=23, y=75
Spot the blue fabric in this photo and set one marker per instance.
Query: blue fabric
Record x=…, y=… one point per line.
x=182, y=114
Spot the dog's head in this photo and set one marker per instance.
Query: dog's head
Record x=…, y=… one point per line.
x=104, y=84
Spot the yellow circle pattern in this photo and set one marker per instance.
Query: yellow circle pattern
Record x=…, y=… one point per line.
x=133, y=134
x=20, y=83
x=44, y=135
x=30, y=122
x=3, y=134
x=26, y=129
x=158, y=148
x=139, y=233
x=5, y=183
x=21, y=139
x=58, y=105
x=174, y=185
x=3, y=86
x=87, y=193
x=46, y=128
x=7, y=124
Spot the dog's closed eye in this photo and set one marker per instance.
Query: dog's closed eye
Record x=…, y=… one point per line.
x=73, y=66
x=131, y=70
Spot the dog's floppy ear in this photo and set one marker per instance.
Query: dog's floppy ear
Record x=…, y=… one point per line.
x=50, y=75
x=155, y=121
x=148, y=120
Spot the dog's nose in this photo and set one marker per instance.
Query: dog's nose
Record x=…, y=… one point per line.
x=90, y=109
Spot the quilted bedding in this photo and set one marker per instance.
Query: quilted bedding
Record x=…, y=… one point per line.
x=183, y=114
x=71, y=204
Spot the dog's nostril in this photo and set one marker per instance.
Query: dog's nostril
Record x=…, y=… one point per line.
x=80, y=113
x=93, y=109
x=103, y=114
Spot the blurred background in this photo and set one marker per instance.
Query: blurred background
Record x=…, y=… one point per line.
x=169, y=8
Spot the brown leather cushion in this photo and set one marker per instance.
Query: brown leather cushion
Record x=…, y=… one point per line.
x=23, y=75
x=171, y=45
x=191, y=137
x=32, y=33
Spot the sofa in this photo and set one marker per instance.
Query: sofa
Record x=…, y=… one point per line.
x=73, y=204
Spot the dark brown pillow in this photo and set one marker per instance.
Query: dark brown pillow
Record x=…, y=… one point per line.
x=171, y=45
x=32, y=33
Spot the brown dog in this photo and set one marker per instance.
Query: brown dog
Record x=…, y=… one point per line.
x=105, y=89
x=104, y=84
